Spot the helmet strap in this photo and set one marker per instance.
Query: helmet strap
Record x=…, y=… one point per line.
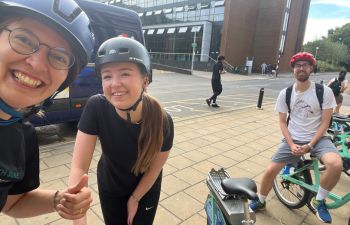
x=133, y=107
x=16, y=115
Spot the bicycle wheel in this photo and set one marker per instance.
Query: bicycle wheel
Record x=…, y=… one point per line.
x=292, y=195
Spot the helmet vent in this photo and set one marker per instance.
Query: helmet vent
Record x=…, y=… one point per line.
x=123, y=51
x=102, y=53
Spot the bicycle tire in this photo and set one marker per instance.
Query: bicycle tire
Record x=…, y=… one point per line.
x=293, y=195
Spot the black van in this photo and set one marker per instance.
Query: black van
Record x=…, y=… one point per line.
x=107, y=21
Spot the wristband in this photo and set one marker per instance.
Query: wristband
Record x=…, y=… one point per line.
x=311, y=147
x=136, y=199
x=55, y=200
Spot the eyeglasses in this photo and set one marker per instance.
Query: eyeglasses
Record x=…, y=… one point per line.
x=299, y=66
x=25, y=42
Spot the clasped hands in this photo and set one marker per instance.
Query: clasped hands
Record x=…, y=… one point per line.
x=73, y=202
x=300, y=149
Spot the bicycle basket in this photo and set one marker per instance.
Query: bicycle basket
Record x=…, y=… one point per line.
x=215, y=177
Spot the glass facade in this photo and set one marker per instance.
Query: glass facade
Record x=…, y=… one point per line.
x=169, y=24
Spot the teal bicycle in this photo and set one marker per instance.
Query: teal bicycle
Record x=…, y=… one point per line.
x=295, y=187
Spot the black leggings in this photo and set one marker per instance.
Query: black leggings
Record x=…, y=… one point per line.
x=115, y=210
x=217, y=89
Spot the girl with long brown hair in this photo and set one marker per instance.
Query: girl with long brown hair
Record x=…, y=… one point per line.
x=135, y=133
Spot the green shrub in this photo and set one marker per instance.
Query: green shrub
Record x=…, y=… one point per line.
x=323, y=66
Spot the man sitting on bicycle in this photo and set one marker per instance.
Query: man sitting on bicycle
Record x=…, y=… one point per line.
x=304, y=132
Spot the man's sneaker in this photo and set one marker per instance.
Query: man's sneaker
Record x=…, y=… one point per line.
x=257, y=205
x=215, y=105
x=208, y=102
x=321, y=210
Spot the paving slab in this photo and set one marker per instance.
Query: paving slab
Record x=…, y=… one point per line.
x=242, y=141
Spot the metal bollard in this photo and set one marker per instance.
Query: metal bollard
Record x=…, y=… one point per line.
x=261, y=95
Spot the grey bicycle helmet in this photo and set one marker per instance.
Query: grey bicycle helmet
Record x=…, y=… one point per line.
x=122, y=49
x=67, y=18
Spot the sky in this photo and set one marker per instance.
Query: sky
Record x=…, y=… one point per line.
x=325, y=15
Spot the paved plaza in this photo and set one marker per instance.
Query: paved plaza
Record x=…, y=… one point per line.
x=242, y=141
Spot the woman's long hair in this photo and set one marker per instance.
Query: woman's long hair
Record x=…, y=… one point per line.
x=150, y=141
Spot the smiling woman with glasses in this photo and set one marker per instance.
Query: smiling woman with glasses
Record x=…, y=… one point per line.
x=41, y=53
x=23, y=41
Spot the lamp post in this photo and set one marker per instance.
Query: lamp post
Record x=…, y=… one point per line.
x=194, y=45
x=316, y=52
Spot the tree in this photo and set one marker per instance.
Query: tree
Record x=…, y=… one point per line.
x=341, y=35
x=334, y=49
x=328, y=51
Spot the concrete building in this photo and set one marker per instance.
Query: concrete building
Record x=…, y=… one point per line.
x=268, y=31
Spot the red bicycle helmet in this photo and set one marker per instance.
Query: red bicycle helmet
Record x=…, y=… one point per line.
x=302, y=56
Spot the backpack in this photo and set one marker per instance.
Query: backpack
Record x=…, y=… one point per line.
x=335, y=86
x=319, y=94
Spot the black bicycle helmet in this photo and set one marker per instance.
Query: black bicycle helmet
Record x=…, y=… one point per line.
x=67, y=18
x=122, y=49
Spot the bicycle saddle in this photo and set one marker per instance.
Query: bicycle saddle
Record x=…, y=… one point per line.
x=240, y=186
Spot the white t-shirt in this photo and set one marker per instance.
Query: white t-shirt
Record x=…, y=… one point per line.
x=305, y=118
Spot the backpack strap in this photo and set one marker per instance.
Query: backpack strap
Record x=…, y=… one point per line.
x=319, y=94
x=288, y=97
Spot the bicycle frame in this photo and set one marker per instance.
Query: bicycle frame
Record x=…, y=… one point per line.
x=338, y=201
x=344, y=153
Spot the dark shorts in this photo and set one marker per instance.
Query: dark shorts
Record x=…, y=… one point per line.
x=217, y=86
x=339, y=99
x=284, y=154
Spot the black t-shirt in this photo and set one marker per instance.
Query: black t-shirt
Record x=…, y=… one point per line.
x=119, y=145
x=19, y=160
x=216, y=71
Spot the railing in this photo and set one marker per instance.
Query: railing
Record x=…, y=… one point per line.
x=184, y=61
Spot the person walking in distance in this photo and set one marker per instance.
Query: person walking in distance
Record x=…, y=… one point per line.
x=338, y=85
x=304, y=132
x=263, y=68
x=44, y=45
x=216, y=85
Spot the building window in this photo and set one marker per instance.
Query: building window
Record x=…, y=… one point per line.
x=171, y=30
x=165, y=11
x=183, y=29
x=150, y=31
x=205, y=5
x=219, y=10
x=157, y=12
x=160, y=31
x=219, y=3
x=196, y=29
x=191, y=7
x=219, y=17
x=179, y=9
x=149, y=13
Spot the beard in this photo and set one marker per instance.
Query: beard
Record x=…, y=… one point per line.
x=302, y=76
